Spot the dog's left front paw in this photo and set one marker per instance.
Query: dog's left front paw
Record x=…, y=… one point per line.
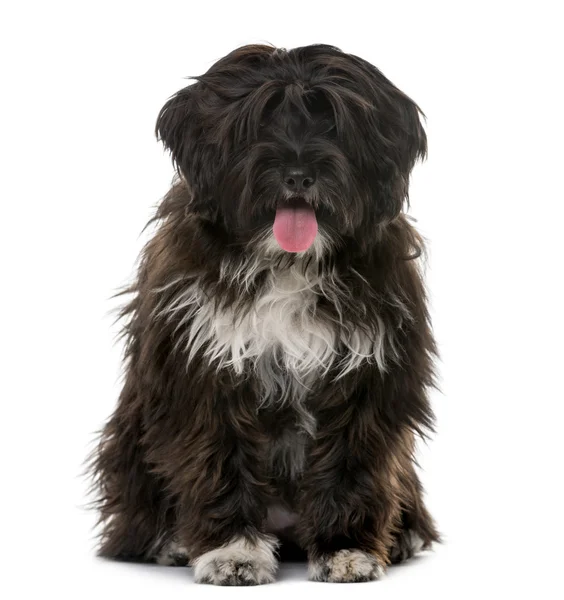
x=345, y=566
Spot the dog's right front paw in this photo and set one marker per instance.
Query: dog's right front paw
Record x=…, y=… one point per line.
x=241, y=562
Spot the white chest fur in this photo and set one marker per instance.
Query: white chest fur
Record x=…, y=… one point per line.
x=282, y=334
x=283, y=322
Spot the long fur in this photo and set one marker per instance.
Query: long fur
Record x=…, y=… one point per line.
x=270, y=393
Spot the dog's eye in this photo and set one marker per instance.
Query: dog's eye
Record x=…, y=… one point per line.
x=330, y=132
x=270, y=108
x=318, y=104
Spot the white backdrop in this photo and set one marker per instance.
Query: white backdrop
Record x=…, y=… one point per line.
x=82, y=83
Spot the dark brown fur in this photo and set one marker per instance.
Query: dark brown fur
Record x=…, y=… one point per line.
x=185, y=454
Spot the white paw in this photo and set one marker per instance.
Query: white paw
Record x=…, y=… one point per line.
x=346, y=566
x=241, y=562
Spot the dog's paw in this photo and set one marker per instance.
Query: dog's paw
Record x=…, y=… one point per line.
x=406, y=545
x=345, y=566
x=172, y=554
x=241, y=562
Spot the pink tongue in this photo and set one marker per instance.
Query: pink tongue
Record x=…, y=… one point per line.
x=295, y=227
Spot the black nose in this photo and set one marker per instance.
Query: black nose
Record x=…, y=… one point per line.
x=298, y=179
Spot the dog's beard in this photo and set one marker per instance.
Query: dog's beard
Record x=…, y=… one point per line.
x=295, y=220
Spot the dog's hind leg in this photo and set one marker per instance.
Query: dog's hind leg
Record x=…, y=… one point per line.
x=173, y=553
x=136, y=516
x=417, y=528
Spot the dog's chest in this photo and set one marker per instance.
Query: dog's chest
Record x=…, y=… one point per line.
x=284, y=341
x=287, y=339
x=282, y=335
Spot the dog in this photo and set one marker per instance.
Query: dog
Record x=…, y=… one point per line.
x=279, y=350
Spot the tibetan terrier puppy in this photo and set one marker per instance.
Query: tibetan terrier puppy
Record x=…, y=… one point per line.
x=278, y=344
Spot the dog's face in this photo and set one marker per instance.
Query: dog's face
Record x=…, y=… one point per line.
x=292, y=141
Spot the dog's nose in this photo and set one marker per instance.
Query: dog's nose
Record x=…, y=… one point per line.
x=298, y=179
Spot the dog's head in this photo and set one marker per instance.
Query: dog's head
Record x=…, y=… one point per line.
x=289, y=141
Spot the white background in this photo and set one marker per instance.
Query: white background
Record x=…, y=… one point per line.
x=82, y=83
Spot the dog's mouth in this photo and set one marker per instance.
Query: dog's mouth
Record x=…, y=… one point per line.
x=295, y=224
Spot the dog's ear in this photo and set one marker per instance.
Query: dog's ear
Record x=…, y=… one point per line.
x=408, y=145
x=181, y=128
x=394, y=136
x=175, y=127
x=411, y=139
x=394, y=139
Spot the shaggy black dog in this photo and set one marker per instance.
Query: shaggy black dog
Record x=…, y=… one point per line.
x=278, y=342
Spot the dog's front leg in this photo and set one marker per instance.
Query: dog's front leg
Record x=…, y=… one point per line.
x=222, y=507
x=350, y=501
